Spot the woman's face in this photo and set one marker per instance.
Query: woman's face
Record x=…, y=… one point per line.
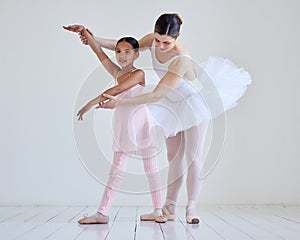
x=125, y=54
x=164, y=42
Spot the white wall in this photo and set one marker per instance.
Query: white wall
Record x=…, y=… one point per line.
x=43, y=68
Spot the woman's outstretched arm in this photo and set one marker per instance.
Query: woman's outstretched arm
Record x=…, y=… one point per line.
x=144, y=43
x=176, y=71
x=168, y=82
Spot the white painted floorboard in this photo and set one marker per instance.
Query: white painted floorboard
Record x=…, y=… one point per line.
x=217, y=223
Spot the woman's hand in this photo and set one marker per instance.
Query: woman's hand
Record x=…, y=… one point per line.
x=112, y=102
x=83, y=111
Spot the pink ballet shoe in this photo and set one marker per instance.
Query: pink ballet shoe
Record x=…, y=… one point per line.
x=151, y=217
x=147, y=217
x=161, y=219
x=166, y=209
x=97, y=218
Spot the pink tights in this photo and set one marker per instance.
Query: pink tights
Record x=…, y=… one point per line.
x=191, y=143
x=120, y=161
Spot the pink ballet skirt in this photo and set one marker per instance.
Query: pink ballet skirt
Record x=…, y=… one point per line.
x=133, y=128
x=218, y=87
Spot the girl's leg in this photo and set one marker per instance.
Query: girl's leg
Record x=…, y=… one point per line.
x=115, y=176
x=152, y=171
x=194, y=139
x=175, y=151
x=119, y=165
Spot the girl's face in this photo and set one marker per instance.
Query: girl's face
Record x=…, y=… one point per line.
x=125, y=54
x=164, y=42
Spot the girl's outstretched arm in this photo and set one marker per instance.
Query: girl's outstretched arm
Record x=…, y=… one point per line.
x=137, y=77
x=168, y=82
x=110, y=66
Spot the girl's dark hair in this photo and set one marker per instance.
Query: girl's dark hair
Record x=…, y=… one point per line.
x=132, y=41
x=168, y=24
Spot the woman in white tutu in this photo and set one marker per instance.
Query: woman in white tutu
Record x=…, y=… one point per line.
x=179, y=108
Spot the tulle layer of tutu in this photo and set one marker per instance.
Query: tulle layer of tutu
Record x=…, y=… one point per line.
x=188, y=105
x=229, y=80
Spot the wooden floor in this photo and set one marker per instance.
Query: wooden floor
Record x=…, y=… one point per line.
x=219, y=222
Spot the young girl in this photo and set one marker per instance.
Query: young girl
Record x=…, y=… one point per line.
x=133, y=136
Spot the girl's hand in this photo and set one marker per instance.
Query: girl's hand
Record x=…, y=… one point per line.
x=84, y=38
x=83, y=111
x=112, y=103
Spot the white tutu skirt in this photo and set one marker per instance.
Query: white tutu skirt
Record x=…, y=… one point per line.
x=219, y=85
